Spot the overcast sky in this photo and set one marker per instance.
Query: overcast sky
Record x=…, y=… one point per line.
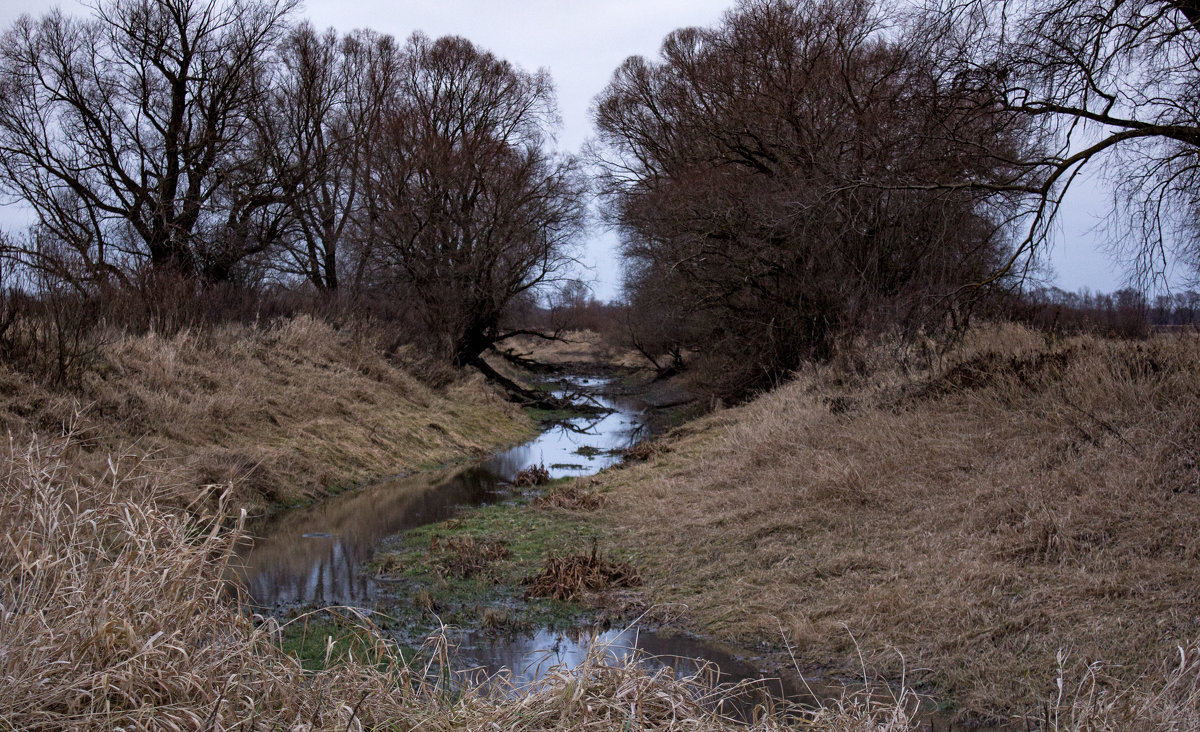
x=581, y=43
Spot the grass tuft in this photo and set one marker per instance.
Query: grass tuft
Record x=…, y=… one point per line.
x=568, y=577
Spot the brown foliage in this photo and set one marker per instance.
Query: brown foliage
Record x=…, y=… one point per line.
x=286, y=409
x=771, y=178
x=645, y=450
x=566, y=577
x=571, y=497
x=472, y=211
x=531, y=476
x=1038, y=495
x=469, y=556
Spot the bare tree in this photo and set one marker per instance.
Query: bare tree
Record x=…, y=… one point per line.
x=324, y=114
x=769, y=177
x=1109, y=85
x=471, y=210
x=129, y=132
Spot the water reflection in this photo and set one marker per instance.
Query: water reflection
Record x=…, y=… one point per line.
x=314, y=556
x=527, y=659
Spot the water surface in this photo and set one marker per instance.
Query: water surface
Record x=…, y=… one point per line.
x=314, y=557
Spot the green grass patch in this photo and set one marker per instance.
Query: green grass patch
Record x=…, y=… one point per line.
x=439, y=571
x=320, y=642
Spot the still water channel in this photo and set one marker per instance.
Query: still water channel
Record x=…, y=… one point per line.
x=315, y=557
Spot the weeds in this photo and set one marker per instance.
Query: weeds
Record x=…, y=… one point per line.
x=466, y=556
x=568, y=577
x=1037, y=495
x=532, y=476
x=114, y=615
x=571, y=497
x=643, y=451
x=279, y=411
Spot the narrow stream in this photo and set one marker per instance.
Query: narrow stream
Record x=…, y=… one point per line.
x=315, y=557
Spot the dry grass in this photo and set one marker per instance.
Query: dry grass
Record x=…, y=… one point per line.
x=283, y=411
x=531, y=476
x=643, y=451
x=1021, y=498
x=571, y=497
x=113, y=615
x=567, y=577
x=466, y=556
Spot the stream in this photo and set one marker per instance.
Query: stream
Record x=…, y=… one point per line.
x=315, y=557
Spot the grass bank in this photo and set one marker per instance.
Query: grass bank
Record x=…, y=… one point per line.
x=285, y=412
x=1023, y=509
x=114, y=615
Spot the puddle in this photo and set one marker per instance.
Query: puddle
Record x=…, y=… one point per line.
x=526, y=659
x=529, y=658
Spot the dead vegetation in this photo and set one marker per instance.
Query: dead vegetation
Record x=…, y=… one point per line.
x=282, y=411
x=645, y=450
x=576, y=348
x=532, y=476
x=568, y=577
x=571, y=497
x=1021, y=497
x=114, y=615
x=467, y=556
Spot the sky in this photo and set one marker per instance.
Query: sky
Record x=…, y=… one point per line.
x=581, y=42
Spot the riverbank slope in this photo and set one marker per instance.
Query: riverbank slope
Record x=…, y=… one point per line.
x=283, y=413
x=1025, y=505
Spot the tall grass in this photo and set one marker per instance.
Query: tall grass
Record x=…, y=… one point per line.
x=114, y=615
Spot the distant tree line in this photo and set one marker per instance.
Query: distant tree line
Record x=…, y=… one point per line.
x=798, y=175
x=1127, y=312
